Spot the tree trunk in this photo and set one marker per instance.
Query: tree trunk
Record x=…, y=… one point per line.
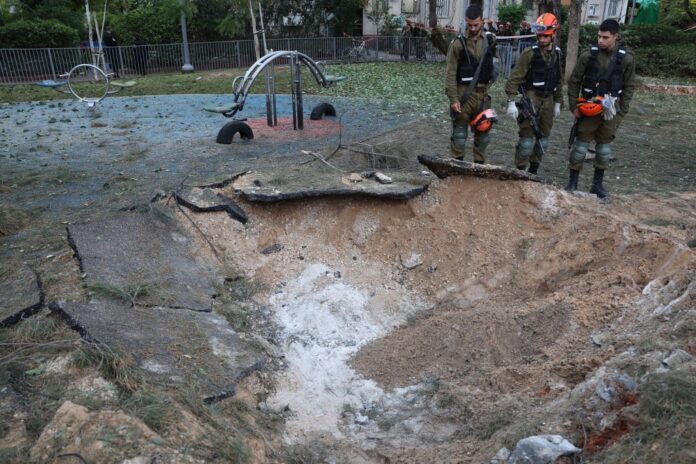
x=436, y=37
x=253, y=30
x=573, y=36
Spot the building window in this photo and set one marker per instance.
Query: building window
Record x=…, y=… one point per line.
x=410, y=6
x=593, y=10
x=613, y=8
x=443, y=8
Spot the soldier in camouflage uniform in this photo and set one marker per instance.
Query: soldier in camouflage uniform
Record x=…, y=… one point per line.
x=463, y=57
x=604, y=79
x=538, y=75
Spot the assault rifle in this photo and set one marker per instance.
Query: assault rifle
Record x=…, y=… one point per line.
x=527, y=111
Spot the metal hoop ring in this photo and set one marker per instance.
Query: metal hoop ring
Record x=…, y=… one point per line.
x=89, y=100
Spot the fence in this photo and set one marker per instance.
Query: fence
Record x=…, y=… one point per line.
x=32, y=65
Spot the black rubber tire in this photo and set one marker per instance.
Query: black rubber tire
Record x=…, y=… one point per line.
x=227, y=132
x=322, y=109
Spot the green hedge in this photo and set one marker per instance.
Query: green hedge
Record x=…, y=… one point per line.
x=37, y=33
x=151, y=23
x=659, y=50
x=666, y=60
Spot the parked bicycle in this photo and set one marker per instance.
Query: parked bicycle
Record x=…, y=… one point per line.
x=358, y=51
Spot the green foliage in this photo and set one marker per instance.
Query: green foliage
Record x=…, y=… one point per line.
x=672, y=13
x=37, y=33
x=150, y=22
x=513, y=13
x=666, y=60
x=648, y=35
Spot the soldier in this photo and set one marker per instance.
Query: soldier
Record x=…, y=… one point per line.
x=468, y=76
x=600, y=90
x=538, y=75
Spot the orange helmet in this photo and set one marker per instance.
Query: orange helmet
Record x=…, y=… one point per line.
x=590, y=108
x=483, y=121
x=546, y=24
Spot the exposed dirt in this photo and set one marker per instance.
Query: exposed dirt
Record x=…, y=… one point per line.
x=433, y=330
x=420, y=330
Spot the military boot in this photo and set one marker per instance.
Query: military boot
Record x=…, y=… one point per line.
x=533, y=168
x=573, y=180
x=597, y=187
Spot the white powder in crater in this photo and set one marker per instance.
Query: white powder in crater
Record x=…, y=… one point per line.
x=326, y=321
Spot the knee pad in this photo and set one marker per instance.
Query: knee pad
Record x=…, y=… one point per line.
x=544, y=142
x=577, y=154
x=459, y=135
x=603, y=154
x=525, y=147
x=481, y=139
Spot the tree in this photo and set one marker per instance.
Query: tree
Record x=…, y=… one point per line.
x=573, y=36
x=379, y=14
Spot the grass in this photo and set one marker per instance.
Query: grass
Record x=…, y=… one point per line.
x=134, y=155
x=119, y=368
x=11, y=220
x=130, y=294
x=667, y=414
x=157, y=410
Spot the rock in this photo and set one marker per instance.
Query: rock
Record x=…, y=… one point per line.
x=610, y=388
x=676, y=358
x=445, y=167
x=355, y=177
x=143, y=258
x=203, y=200
x=541, y=449
x=323, y=185
x=596, y=338
x=74, y=429
x=501, y=456
x=412, y=261
x=171, y=346
x=21, y=295
x=360, y=419
x=383, y=178
x=275, y=248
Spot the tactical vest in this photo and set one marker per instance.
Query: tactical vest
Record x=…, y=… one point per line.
x=468, y=64
x=594, y=84
x=542, y=77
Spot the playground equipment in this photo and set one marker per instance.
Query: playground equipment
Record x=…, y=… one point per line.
x=82, y=73
x=89, y=72
x=242, y=84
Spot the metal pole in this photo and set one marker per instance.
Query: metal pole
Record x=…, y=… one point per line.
x=187, y=67
x=50, y=60
x=293, y=92
x=298, y=92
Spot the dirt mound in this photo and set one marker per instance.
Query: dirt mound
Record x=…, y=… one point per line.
x=405, y=326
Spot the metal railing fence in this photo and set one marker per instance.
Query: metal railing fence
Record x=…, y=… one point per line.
x=32, y=65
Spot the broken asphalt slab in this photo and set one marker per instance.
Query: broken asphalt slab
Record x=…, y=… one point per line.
x=445, y=167
x=270, y=187
x=136, y=255
x=169, y=345
x=21, y=295
x=204, y=200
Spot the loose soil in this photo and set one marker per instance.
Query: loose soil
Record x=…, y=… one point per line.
x=437, y=329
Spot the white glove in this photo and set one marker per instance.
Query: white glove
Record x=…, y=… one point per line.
x=512, y=110
x=608, y=107
x=556, y=110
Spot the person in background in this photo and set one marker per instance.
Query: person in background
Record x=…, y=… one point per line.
x=110, y=44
